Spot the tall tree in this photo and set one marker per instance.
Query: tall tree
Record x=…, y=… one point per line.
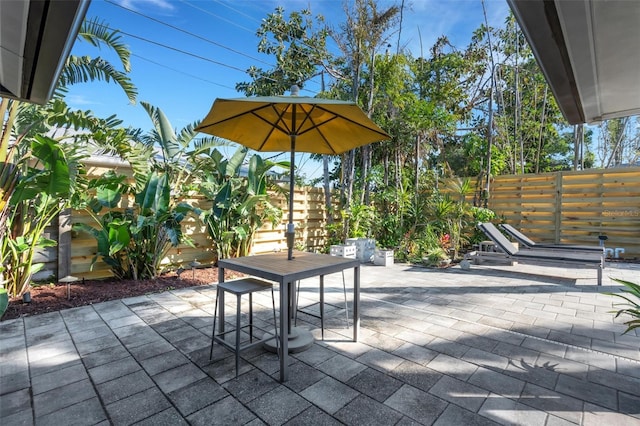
x=298, y=47
x=528, y=118
x=619, y=141
x=366, y=30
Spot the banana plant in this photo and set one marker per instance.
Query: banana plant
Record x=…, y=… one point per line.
x=240, y=205
x=42, y=191
x=134, y=241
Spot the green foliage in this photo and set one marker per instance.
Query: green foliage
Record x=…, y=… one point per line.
x=240, y=205
x=631, y=296
x=334, y=235
x=42, y=191
x=4, y=301
x=480, y=214
x=297, y=47
x=451, y=213
x=82, y=69
x=419, y=243
x=361, y=218
x=134, y=241
x=39, y=174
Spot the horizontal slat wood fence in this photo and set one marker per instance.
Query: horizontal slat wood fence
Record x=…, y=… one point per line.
x=309, y=217
x=562, y=207
x=574, y=207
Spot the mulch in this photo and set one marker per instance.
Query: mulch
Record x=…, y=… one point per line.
x=53, y=297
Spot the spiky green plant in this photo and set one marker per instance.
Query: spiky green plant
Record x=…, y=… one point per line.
x=631, y=295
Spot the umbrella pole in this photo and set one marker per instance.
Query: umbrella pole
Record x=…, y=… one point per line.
x=290, y=227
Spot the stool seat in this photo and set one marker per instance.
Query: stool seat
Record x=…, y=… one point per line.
x=244, y=286
x=239, y=288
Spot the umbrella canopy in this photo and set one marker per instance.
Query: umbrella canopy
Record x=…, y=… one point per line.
x=293, y=124
x=274, y=123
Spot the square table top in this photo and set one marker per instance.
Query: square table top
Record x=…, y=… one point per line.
x=276, y=266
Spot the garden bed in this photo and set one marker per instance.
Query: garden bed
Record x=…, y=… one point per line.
x=50, y=298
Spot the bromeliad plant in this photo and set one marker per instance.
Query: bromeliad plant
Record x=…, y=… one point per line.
x=631, y=295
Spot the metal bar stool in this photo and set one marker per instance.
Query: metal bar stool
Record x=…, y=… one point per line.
x=321, y=316
x=239, y=288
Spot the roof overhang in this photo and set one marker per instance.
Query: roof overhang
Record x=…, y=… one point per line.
x=36, y=37
x=589, y=52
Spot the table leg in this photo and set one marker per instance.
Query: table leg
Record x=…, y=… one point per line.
x=356, y=303
x=221, y=302
x=284, y=330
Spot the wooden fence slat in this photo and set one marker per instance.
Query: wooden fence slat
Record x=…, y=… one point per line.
x=586, y=204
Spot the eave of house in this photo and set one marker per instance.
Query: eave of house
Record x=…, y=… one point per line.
x=589, y=52
x=36, y=37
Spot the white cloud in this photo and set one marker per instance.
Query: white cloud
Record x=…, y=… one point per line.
x=165, y=5
x=79, y=100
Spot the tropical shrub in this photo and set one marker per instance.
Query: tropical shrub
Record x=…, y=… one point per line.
x=240, y=205
x=134, y=241
x=360, y=218
x=45, y=178
x=419, y=243
x=480, y=214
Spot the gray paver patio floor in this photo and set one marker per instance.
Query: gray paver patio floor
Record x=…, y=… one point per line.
x=493, y=345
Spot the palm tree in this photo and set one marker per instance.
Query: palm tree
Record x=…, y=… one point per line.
x=84, y=69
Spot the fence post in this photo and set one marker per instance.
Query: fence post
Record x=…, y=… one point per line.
x=558, y=208
x=64, y=243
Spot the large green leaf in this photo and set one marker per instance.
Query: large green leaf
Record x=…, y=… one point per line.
x=155, y=196
x=109, y=196
x=4, y=301
x=222, y=200
x=235, y=162
x=119, y=237
x=53, y=178
x=166, y=136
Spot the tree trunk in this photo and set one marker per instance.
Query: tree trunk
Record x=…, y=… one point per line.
x=578, y=134
x=385, y=164
x=327, y=188
x=366, y=171
x=489, y=146
x=417, y=168
x=544, y=107
x=616, y=153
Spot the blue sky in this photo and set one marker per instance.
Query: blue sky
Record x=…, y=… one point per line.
x=185, y=85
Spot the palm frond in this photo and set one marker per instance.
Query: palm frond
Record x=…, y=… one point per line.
x=83, y=69
x=96, y=32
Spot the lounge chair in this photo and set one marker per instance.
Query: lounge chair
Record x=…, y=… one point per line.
x=528, y=243
x=543, y=256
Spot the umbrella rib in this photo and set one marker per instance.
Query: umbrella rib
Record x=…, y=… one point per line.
x=233, y=117
x=384, y=134
x=274, y=126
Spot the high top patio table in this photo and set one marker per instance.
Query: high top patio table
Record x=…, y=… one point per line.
x=276, y=267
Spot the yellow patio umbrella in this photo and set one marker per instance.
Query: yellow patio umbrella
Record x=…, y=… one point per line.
x=292, y=123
